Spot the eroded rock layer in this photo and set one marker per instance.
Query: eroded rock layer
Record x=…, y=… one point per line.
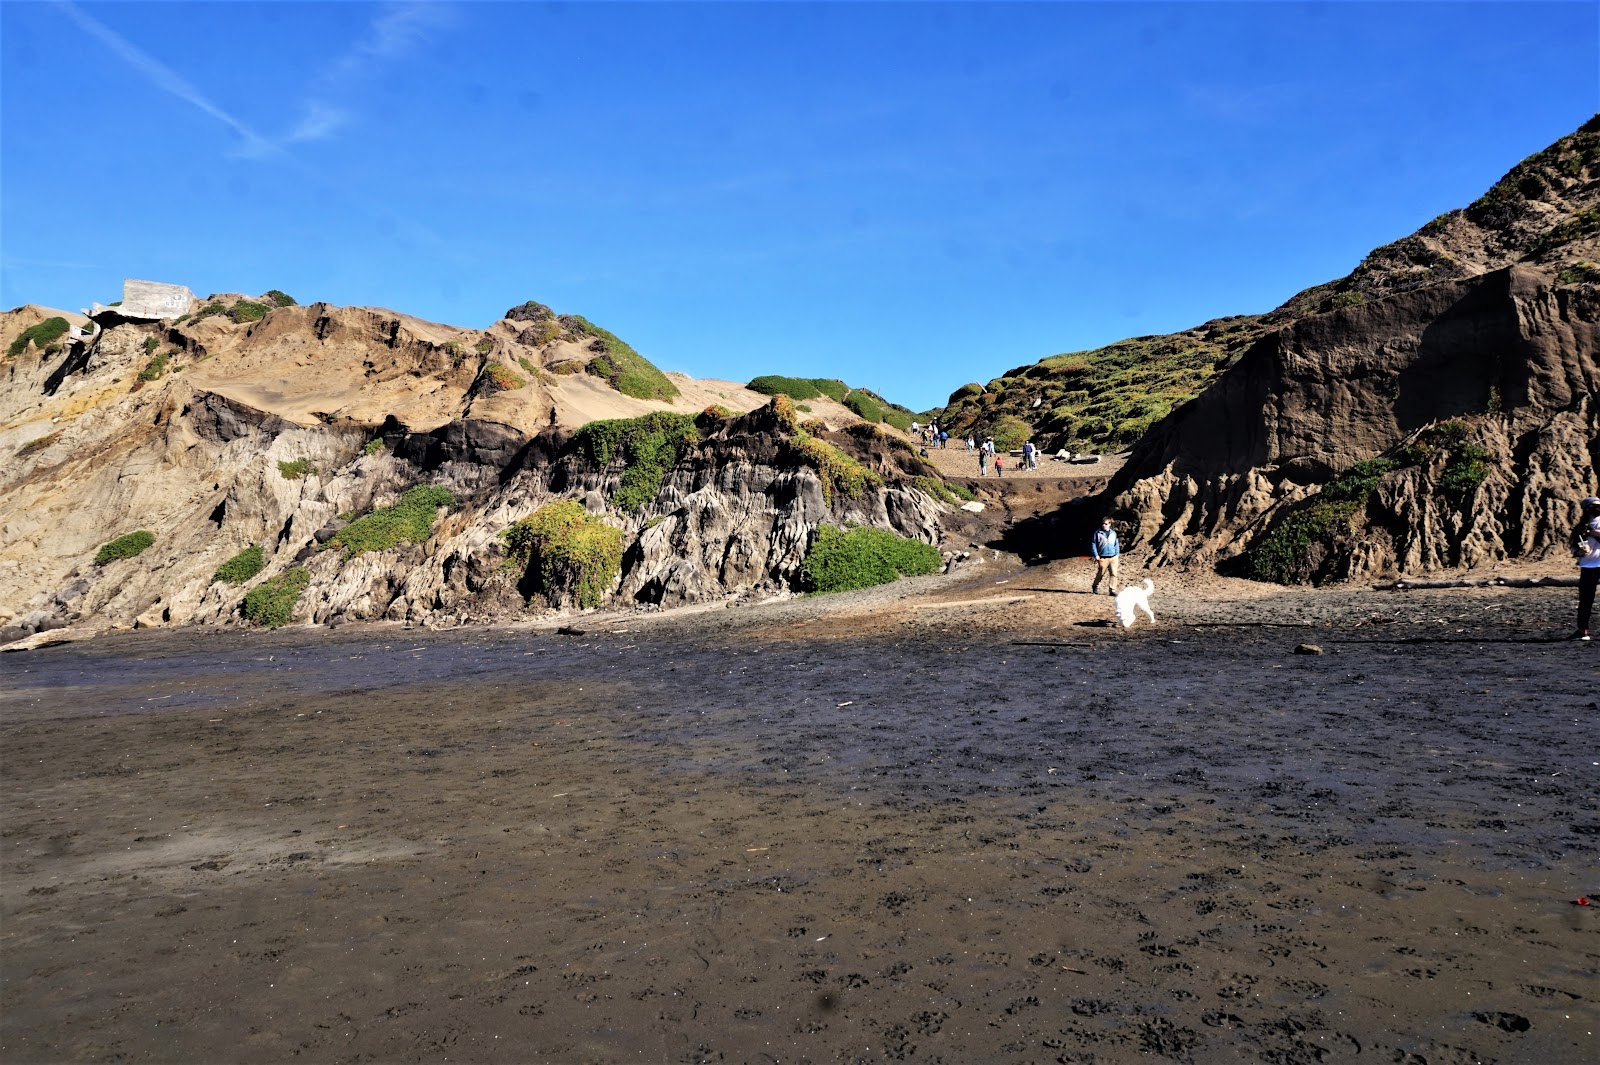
x=1504, y=361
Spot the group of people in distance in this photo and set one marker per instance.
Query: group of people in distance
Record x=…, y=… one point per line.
x=987, y=456
x=930, y=435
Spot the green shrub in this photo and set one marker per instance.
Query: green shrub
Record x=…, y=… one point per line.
x=40, y=335
x=126, y=546
x=150, y=345
x=533, y=371
x=484, y=346
x=566, y=555
x=1466, y=469
x=241, y=567
x=155, y=367
x=793, y=387
x=409, y=521
x=294, y=471
x=650, y=445
x=279, y=298
x=209, y=309
x=271, y=603
x=842, y=559
x=1358, y=482
x=804, y=408
x=1282, y=555
x=566, y=368
x=503, y=378
x=373, y=447
x=248, y=311
x=622, y=368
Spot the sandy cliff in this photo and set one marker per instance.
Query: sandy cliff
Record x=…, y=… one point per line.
x=215, y=434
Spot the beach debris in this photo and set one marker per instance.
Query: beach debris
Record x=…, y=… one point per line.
x=51, y=637
x=1583, y=900
x=846, y=703
x=972, y=506
x=571, y=630
x=1307, y=649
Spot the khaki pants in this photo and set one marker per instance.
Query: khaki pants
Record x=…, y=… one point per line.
x=1107, y=572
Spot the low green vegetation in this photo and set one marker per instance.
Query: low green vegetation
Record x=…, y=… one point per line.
x=271, y=603
x=39, y=443
x=241, y=567
x=840, y=474
x=125, y=546
x=41, y=335
x=211, y=308
x=373, y=447
x=650, y=446
x=944, y=491
x=565, y=554
x=409, y=521
x=279, y=298
x=150, y=345
x=842, y=559
x=156, y=367
x=1467, y=468
x=299, y=468
x=484, y=346
x=248, y=311
x=863, y=402
x=503, y=378
x=1284, y=554
x=533, y=371
x=798, y=388
x=865, y=405
x=621, y=367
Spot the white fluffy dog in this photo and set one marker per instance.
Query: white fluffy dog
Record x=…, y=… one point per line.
x=1134, y=598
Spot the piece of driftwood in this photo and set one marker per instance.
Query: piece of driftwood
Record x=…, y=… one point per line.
x=1406, y=584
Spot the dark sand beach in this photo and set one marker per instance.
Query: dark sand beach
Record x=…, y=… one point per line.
x=785, y=834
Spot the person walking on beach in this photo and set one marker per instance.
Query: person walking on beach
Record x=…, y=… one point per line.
x=983, y=462
x=1106, y=550
x=1586, y=549
x=999, y=466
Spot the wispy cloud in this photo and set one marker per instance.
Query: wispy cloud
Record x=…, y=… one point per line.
x=166, y=79
x=393, y=35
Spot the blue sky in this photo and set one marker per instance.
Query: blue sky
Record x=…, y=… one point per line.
x=908, y=196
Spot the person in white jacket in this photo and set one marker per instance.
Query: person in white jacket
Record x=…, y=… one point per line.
x=1586, y=549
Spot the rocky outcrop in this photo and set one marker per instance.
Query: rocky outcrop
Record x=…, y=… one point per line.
x=1510, y=355
x=209, y=473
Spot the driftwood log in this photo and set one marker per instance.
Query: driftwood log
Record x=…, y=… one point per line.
x=1406, y=584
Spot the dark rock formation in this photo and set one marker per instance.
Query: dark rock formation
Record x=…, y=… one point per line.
x=1510, y=354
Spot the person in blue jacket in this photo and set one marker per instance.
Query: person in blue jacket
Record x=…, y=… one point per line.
x=1106, y=550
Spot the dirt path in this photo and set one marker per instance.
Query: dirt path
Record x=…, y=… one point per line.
x=849, y=830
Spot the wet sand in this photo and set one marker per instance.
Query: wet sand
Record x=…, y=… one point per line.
x=801, y=834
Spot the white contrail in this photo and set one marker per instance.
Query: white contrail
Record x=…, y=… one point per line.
x=166, y=79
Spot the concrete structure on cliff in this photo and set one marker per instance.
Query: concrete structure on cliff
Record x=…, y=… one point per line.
x=148, y=301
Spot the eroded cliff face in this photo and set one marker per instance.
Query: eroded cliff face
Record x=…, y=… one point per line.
x=1509, y=355
x=197, y=455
